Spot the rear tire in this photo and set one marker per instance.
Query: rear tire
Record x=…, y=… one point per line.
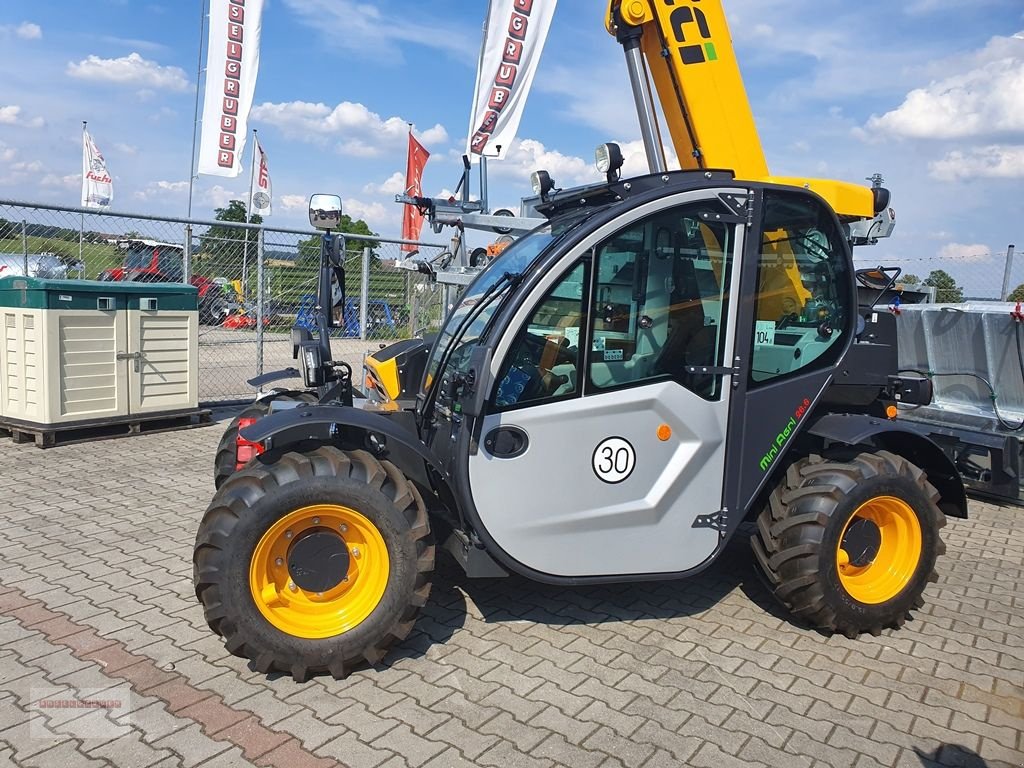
x=848, y=544
x=226, y=458
x=303, y=631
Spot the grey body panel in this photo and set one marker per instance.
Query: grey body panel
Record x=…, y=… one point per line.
x=548, y=509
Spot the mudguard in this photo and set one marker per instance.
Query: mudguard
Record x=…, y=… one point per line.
x=387, y=434
x=903, y=439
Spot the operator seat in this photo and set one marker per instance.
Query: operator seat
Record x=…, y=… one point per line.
x=690, y=341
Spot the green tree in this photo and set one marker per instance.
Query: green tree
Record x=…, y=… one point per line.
x=911, y=280
x=309, y=250
x=1018, y=294
x=948, y=292
x=222, y=249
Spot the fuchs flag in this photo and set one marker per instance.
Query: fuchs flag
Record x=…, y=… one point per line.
x=97, y=186
x=263, y=190
x=412, y=223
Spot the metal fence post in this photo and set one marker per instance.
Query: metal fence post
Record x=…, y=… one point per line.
x=187, y=266
x=24, y=243
x=364, y=290
x=1005, y=293
x=260, y=298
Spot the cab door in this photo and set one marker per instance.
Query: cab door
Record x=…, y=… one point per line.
x=603, y=449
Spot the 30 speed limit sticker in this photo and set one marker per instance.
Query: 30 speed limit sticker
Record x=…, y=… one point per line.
x=614, y=460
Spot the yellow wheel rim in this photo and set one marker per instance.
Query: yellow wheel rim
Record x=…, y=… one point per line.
x=339, y=608
x=879, y=550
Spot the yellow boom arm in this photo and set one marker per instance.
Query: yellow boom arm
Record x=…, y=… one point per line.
x=689, y=54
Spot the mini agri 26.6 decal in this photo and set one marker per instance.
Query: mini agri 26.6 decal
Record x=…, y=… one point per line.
x=783, y=437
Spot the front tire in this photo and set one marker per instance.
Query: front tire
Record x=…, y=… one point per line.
x=314, y=562
x=848, y=544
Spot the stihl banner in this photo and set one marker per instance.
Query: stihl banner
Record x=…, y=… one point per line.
x=232, y=64
x=263, y=194
x=514, y=39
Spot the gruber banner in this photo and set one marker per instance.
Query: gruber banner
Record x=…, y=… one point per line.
x=412, y=221
x=513, y=43
x=232, y=64
x=97, y=186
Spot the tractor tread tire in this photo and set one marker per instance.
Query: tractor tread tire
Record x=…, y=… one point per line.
x=798, y=533
x=238, y=621
x=225, y=458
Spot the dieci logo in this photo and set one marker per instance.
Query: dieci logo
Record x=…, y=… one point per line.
x=688, y=22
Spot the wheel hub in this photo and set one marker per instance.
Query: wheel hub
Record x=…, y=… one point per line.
x=319, y=571
x=318, y=560
x=879, y=550
x=862, y=542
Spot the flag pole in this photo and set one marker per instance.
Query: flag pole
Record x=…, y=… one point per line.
x=81, y=230
x=195, y=120
x=248, y=215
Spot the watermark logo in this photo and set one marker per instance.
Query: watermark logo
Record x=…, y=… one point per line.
x=90, y=714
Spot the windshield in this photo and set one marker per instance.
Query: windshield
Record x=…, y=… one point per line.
x=515, y=260
x=139, y=258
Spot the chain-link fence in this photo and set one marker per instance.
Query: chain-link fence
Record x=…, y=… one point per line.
x=255, y=282
x=960, y=273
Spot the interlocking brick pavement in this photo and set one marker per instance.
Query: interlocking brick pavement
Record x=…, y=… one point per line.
x=96, y=598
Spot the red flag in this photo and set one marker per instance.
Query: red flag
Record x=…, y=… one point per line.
x=412, y=222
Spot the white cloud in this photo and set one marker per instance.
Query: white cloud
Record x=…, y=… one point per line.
x=33, y=166
x=29, y=31
x=126, y=149
x=130, y=70
x=961, y=252
x=11, y=115
x=994, y=162
x=293, y=202
x=7, y=154
x=218, y=197
x=375, y=214
x=394, y=185
x=157, y=188
x=71, y=181
x=528, y=155
x=982, y=101
x=362, y=133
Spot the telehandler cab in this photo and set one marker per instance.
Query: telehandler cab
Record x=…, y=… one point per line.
x=665, y=358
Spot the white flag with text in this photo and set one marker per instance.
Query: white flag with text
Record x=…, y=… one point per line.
x=262, y=189
x=232, y=64
x=513, y=43
x=97, y=186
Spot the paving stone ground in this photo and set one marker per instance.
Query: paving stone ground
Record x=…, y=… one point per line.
x=105, y=658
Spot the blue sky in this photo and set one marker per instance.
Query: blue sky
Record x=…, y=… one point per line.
x=928, y=92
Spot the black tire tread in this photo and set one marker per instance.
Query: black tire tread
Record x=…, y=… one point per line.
x=247, y=486
x=224, y=460
x=791, y=525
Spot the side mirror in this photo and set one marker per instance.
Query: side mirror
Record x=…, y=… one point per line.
x=325, y=211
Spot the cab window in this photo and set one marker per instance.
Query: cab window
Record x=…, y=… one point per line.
x=660, y=301
x=543, y=362
x=803, y=303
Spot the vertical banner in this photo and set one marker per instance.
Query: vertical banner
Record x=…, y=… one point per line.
x=514, y=38
x=263, y=190
x=412, y=221
x=232, y=64
x=97, y=186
